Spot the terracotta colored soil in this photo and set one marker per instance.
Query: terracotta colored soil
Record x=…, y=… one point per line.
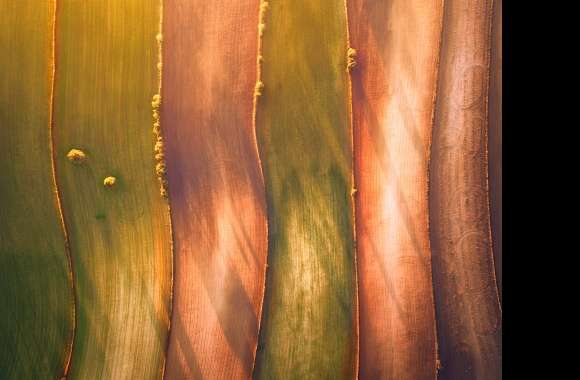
x=215, y=187
x=467, y=303
x=394, y=85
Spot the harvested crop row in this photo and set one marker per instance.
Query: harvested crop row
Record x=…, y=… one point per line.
x=466, y=297
x=495, y=139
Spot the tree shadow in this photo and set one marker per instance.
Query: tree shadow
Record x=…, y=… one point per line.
x=215, y=187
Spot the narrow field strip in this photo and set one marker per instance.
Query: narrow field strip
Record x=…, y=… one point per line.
x=309, y=322
x=37, y=321
x=394, y=83
x=216, y=189
x=118, y=222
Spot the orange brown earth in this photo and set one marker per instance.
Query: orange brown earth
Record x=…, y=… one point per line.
x=394, y=86
x=215, y=186
x=117, y=223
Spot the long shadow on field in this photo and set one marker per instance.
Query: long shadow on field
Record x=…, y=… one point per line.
x=215, y=187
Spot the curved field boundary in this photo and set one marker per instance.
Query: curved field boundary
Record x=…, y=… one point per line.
x=37, y=321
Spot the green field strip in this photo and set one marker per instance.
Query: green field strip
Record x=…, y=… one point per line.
x=309, y=322
x=36, y=296
x=107, y=55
